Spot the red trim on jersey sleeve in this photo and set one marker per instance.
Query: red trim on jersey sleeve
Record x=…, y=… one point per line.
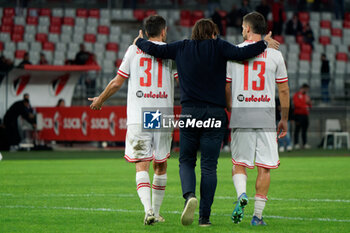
x=123, y=74
x=228, y=80
x=282, y=80
x=176, y=75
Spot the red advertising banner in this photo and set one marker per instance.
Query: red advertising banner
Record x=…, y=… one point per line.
x=84, y=124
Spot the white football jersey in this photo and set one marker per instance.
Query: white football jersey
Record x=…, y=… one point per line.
x=150, y=84
x=253, y=88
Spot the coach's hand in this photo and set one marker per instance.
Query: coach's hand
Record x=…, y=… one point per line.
x=274, y=44
x=139, y=36
x=282, y=128
x=96, y=104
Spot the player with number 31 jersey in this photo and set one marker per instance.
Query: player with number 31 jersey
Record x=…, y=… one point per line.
x=151, y=82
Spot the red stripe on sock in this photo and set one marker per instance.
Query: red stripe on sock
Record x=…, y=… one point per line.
x=261, y=196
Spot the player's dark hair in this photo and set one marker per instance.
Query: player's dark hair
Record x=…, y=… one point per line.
x=154, y=25
x=305, y=85
x=204, y=29
x=256, y=21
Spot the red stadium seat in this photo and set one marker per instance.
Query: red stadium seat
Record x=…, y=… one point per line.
x=325, y=40
x=185, y=18
x=139, y=14
x=337, y=32
x=112, y=47
x=41, y=37
x=305, y=56
x=150, y=12
x=95, y=13
x=305, y=48
x=32, y=20
x=1, y=46
x=299, y=39
x=279, y=39
x=8, y=21
x=346, y=24
x=55, y=21
x=90, y=38
x=347, y=16
x=55, y=29
x=325, y=24
x=185, y=14
x=5, y=28
x=82, y=13
x=9, y=11
x=197, y=15
x=118, y=62
x=68, y=21
x=304, y=17
x=342, y=57
x=45, y=12
x=17, y=37
x=18, y=29
x=49, y=46
x=20, y=54
x=103, y=29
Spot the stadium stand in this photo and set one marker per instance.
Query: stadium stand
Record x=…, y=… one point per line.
x=58, y=32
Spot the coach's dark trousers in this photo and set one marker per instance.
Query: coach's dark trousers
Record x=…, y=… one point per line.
x=208, y=140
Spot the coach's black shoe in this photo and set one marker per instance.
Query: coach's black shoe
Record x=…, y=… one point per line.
x=188, y=212
x=204, y=222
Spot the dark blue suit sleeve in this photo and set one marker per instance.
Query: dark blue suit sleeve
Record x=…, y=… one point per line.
x=166, y=51
x=233, y=52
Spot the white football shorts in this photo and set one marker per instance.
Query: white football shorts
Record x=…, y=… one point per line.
x=146, y=146
x=260, y=145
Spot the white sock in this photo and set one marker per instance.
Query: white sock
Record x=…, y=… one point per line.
x=158, y=191
x=144, y=189
x=260, y=201
x=240, y=183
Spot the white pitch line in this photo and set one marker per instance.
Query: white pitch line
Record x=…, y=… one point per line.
x=166, y=212
x=126, y=195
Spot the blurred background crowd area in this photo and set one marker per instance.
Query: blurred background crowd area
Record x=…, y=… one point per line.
x=314, y=36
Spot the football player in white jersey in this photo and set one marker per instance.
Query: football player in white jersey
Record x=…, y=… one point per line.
x=253, y=136
x=150, y=84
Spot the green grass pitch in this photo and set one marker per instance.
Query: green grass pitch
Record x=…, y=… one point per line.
x=96, y=192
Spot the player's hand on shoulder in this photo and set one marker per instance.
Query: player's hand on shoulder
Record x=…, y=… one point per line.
x=274, y=44
x=96, y=103
x=139, y=36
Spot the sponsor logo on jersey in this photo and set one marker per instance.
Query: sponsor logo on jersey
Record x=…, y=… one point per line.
x=240, y=98
x=262, y=98
x=160, y=95
x=151, y=120
x=139, y=94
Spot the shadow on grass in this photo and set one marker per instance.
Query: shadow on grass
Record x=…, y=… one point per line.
x=65, y=155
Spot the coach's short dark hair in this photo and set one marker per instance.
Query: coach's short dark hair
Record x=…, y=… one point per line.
x=154, y=25
x=256, y=21
x=204, y=29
